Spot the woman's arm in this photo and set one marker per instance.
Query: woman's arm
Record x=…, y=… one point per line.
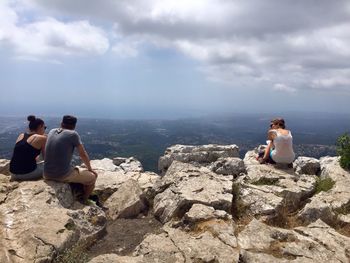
x=271, y=135
x=44, y=138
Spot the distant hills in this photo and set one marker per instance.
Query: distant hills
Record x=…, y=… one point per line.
x=313, y=134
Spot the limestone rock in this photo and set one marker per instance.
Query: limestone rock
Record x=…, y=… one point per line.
x=119, y=160
x=131, y=165
x=159, y=248
x=306, y=165
x=250, y=257
x=5, y=166
x=199, y=212
x=266, y=189
x=185, y=184
x=38, y=221
x=314, y=243
x=178, y=246
x=109, y=182
x=204, y=154
x=104, y=164
x=328, y=205
x=230, y=165
x=114, y=258
x=126, y=202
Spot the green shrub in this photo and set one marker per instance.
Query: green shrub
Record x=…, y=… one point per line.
x=324, y=184
x=343, y=150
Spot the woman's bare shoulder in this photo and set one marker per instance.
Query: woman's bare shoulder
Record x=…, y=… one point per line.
x=20, y=137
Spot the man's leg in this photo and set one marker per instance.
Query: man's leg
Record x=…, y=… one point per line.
x=84, y=177
x=88, y=188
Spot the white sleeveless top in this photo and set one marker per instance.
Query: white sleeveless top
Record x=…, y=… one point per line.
x=283, y=151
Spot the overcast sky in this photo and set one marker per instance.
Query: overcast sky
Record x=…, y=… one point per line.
x=173, y=58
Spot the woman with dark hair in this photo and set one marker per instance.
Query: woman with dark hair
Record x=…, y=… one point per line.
x=280, y=146
x=23, y=165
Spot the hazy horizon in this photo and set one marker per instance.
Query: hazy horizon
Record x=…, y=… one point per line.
x=173, y=59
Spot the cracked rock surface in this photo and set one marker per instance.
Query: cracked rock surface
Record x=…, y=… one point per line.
x=39, y=219
x=213, y=207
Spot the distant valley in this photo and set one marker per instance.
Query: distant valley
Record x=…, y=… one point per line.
x=148, y=139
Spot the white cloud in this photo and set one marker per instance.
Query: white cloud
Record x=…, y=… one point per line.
x=50, y=37
x=125, y=50
x=273, y=43
x=284, y=88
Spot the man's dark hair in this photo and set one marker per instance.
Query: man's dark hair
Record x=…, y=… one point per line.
x=69, y=122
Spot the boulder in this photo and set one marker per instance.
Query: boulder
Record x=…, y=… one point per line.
x=267, y=190
x=131, y=165
x=203, y=154
x=178, y=246
x=119, y=160
x=159, y=248
x=5, y=166
x=228, y=166
x=314, y=243
x=184, y=185
x=104, y=164
x=306, y=165
x=199, y=212
x=40, y=219
x=330, y=204
x=109, y=182
x=126, y=202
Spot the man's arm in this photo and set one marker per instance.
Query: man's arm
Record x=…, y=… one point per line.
x=85, y=158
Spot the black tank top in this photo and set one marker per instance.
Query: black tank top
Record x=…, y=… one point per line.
x=23, y=158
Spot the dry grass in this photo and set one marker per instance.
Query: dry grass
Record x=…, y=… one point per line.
x=265, y=181
x=75, y=254
x=208, y=226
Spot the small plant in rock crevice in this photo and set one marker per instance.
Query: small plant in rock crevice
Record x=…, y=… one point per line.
x=324, y=184
x=343, y=150
x=74, y=254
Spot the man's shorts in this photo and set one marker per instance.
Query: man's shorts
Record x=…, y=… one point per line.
x=78, y=175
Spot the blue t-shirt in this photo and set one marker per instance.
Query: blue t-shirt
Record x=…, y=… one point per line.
x=59, y=152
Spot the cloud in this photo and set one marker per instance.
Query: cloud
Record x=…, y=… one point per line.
x=288, y=45
x=284, y=88
x=50, y=37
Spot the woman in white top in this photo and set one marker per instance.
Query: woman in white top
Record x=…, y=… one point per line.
x=280, y=148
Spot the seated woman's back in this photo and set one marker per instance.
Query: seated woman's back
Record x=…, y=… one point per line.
x=282, y=151
x=27, y=148
x=23, y=164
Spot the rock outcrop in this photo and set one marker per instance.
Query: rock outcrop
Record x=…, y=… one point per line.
x=184, y=185
x=213, y=207
x=268, y=191
x=203, y=154
x=333, y=205
x=40, y=220
x=4, y=166
x=307, y=165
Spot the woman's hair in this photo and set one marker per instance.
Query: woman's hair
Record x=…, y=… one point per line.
x=34, y=123
x=280, y=122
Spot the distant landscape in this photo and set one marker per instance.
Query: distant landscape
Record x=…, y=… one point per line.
x=313, y=134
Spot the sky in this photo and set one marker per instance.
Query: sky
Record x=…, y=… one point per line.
x=171, y=59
